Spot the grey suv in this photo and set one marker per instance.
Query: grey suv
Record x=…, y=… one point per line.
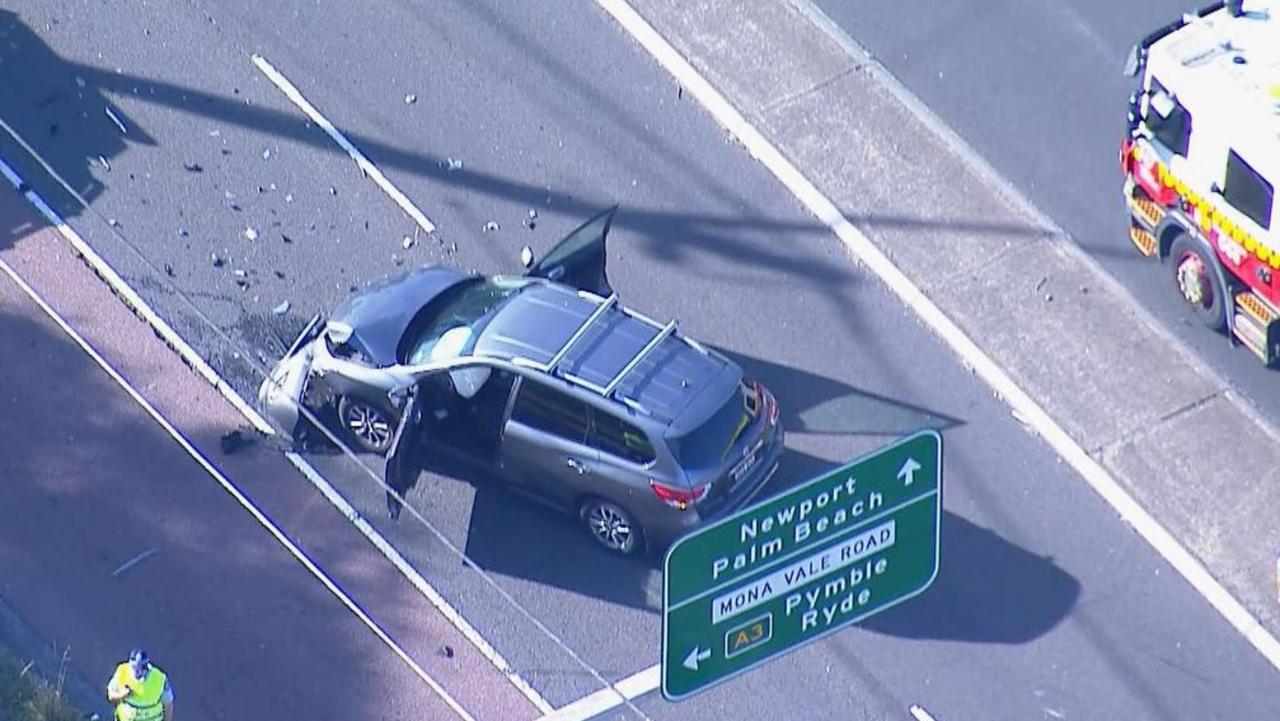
x=550, y=385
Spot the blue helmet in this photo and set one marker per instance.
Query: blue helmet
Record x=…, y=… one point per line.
x=139, y=660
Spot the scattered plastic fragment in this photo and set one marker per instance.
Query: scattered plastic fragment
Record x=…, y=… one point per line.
x=410, y=99
x=113, y=222
x=250, y=233
x=532, y=214
x=217, y=262
x=281, y=309
x=286, y=238
x=266, y=154
x=407, y=243
x=241, y=273
x=193, y=167
x=491, y=225
x=333, y=190
x=279, y=274
x=454, y=164
x=288, y=197
x=447, y=651
x=234, y=206
x=116, y=119
x=168, y=270
x=182, y=233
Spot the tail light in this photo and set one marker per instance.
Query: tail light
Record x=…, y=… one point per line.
x=773, y=411
x=1126, y=148
x=679, y=498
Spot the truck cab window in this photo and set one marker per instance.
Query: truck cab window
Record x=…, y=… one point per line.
x=1247, y=191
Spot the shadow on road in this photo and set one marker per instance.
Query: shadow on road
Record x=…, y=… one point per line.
x=988, y=590
x=815, y=404
x=111, y=536
x=61, y=108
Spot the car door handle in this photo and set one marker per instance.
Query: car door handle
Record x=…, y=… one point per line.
x=576, y=465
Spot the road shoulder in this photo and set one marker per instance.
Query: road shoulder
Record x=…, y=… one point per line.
x=128, y=520
x=1176, y=437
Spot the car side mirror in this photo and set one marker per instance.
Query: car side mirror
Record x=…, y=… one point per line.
x=526, y=257
x=1132, y=63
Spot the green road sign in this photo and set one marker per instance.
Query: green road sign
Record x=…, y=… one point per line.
x=791, y=569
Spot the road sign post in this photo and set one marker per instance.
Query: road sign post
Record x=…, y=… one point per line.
x=791, y=569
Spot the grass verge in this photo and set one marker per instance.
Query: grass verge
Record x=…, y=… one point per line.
x=24, y=696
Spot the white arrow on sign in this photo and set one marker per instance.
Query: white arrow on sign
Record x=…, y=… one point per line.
x=907, y=474
x=695, y=656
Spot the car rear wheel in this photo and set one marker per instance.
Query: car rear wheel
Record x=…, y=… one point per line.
x=611, y=525
x=370, y=427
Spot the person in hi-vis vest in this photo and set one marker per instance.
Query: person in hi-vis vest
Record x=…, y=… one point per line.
x=140, y=691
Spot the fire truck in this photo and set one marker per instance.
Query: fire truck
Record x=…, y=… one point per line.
x=1201, y=159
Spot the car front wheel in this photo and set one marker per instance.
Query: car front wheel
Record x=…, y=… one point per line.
x=369, y=426
x=611, y=525
x=1196, y=273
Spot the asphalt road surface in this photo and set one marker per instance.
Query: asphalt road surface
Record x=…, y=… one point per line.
x=1037, y=89
x=112, y=535
x=1047, y=605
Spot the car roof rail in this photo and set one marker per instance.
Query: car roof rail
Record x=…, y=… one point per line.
x=649, y=347
x=578, y=334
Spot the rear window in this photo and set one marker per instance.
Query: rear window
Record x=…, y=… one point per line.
x=708, y=444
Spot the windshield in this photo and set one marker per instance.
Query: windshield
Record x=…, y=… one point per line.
x=448, y=328
x=707, y=445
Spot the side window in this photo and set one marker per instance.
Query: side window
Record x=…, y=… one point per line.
x=619, y=438
x=1168, y=120
x=1247, y=190
x=542, y=407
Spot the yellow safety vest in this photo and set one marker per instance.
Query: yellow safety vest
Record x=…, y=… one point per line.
x=144, y=703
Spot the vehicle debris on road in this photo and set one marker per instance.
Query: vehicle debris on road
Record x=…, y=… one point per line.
x=115, y=119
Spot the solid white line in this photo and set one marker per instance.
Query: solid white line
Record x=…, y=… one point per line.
x=920, y=714
x=202, y=367
x=1022, y=202
x=235, y=493
x=366, y=166
x=631, y=687
x=127, y=294
x=877, y=262
x=448, y=611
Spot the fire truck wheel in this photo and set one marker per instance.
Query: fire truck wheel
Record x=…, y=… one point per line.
x=1198, y=279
